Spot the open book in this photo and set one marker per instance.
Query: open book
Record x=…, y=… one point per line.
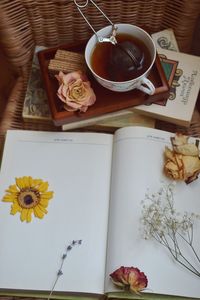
x=96, y=185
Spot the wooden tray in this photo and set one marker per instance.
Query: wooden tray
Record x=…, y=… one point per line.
x=106, y=100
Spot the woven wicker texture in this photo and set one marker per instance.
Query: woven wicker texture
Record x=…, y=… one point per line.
x=26, y=23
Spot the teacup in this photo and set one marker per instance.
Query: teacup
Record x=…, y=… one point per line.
x=142, y=82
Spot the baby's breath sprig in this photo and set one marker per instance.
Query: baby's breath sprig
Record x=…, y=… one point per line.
x=161, y=222
x=60, y=271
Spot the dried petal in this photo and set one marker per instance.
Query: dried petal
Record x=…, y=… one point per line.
x=179, y=139
x=183, y=162
x=187, y=149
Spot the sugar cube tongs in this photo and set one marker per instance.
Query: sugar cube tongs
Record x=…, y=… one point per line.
x=112, y=38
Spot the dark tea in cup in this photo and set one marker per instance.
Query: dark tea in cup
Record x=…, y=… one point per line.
x=126, y=65
x=127, y=60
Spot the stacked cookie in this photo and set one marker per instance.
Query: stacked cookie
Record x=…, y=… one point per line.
x=67, y=61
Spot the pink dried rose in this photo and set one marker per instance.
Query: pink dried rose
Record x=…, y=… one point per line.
x=75, y=91
x=129, y=278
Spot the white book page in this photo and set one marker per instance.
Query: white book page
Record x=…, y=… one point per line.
x=137, y=167
x=77, y=168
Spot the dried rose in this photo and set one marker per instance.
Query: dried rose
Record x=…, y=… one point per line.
x=180, y=145
x=182, y=162
x=129, y=278
x=75, y=91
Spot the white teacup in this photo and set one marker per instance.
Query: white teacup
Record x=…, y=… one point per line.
x=142, y=82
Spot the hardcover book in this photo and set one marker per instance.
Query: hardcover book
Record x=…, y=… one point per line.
x=89, y=214
x=36, y=106
x=165, y=39
x=183, y=73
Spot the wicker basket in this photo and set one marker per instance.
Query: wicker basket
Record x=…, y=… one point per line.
x=26, y=23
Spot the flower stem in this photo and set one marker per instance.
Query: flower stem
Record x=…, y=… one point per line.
x=60, y=273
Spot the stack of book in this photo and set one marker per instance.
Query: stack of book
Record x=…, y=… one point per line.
x=182, y=72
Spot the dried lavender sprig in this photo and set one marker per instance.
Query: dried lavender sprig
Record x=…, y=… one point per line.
x=60, y=272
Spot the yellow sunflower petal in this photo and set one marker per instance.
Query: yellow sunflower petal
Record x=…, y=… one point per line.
x=29, y=215
x=9, y=198
x=42, y=208
x=12, y=189
x=20, y=182
x=30, y=181
x=47, y=195
x=23, y=216
x=36, y=182
x=15, y=208
x=26, y=181
x=43, y=187
x=44, y=202
x=38, y=213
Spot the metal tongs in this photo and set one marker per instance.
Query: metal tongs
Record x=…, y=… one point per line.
x=101, y=39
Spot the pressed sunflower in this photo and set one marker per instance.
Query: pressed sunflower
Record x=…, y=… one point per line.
x=29, y=196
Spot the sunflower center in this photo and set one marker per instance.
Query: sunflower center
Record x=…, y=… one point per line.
x=28, y=198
